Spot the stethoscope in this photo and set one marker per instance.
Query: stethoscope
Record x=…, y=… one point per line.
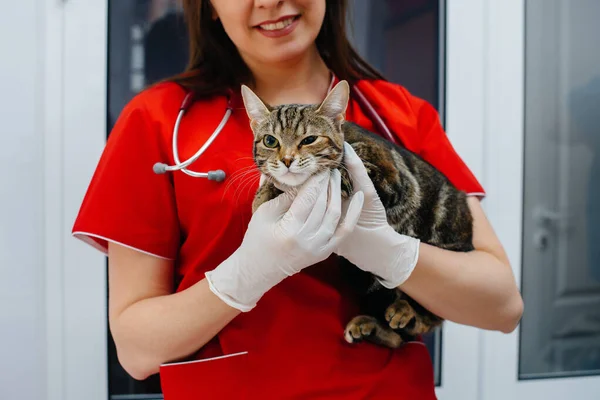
x=219, y=175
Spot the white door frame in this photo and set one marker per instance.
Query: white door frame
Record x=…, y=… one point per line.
x=503, y=130
x=465, y=63
x=75, y=133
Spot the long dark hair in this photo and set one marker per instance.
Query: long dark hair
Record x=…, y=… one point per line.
x=215, y=65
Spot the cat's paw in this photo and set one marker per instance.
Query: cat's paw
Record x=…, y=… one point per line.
x=399, y=314
x=359, y=328
x=368, y=328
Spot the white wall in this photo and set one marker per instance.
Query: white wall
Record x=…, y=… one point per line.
x=22, y=310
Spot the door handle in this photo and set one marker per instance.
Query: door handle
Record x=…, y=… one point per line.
x=541, y=237
x=544, y=216
x=545, y=220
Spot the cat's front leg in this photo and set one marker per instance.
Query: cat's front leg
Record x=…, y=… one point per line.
x=266, y=192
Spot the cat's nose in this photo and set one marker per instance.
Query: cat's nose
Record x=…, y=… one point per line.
x=287, y=161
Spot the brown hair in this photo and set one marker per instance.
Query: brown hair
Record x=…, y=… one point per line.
x=215, y=65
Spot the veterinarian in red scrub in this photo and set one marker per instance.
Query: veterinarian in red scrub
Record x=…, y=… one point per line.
x=259, y=299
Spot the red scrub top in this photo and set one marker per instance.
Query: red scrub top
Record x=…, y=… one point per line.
x=292, y=341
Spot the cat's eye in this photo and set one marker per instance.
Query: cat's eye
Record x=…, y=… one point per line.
x=270, y=141
x=308, y=140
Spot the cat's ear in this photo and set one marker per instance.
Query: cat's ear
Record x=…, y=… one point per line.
x=334, y=105
x=256, y=109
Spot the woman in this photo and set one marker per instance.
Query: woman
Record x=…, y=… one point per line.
x=193, y=275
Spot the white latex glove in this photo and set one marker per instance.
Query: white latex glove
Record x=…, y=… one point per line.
x=374, y=246
x=285, y=235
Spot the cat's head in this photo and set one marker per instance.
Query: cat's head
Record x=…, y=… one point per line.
x=294, y=141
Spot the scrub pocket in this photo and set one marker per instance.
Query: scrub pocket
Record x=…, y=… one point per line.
x=224, y=377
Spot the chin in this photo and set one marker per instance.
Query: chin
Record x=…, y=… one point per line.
x=291, y=51
x=282, y=56
x=292, y=179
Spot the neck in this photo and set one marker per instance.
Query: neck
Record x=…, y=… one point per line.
x=301, y=81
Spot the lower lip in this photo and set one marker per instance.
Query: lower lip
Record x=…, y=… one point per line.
x=280, y=32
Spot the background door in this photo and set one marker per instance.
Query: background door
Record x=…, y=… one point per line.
x=551, y=182
x=560, y=333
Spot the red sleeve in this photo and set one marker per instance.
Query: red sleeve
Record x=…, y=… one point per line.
x=437, y=149
x=126, y=202
x=416, y=123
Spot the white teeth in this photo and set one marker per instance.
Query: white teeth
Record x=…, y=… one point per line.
x=278, y=25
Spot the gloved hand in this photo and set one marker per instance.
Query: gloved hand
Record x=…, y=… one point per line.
x=374, y=246
x=285, y=235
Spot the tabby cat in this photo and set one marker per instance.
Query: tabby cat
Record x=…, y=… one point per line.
x=294, y=141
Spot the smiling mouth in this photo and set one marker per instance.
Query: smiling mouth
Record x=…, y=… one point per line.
x=279, y=25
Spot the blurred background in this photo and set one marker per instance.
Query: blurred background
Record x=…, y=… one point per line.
x=517, y=86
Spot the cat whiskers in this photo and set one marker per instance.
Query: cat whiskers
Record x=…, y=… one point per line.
x=245, y=158
x=241, y=174
x=245, y=184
